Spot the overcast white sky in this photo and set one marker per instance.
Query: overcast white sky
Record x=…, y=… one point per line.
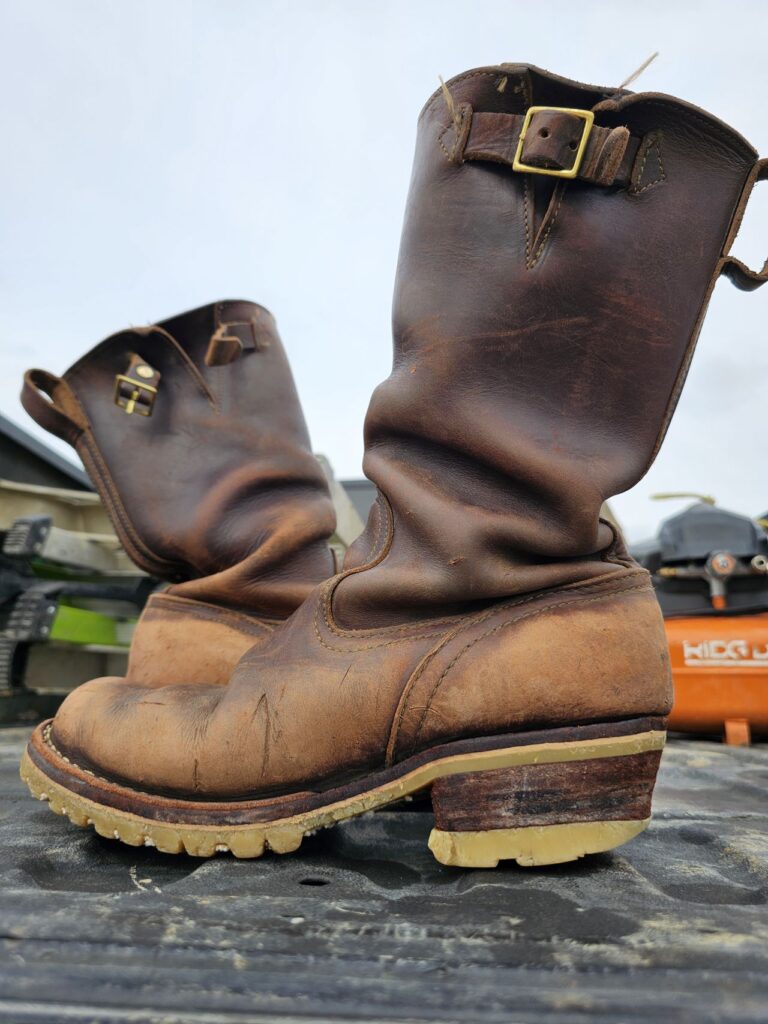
x=160, y=154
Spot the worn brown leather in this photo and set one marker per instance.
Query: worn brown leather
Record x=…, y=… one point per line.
x=180, y=639
x=542, y=335
x=192, y=432
x=543, y=331
x=315, y=704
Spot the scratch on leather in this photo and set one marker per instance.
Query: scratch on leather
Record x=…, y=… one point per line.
x=262, y=710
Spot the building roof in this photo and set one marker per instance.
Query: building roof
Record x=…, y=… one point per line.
x=24, y=459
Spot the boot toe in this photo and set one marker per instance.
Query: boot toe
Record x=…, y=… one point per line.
x=140, y=736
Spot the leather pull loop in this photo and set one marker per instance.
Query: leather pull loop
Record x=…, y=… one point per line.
x=136, y=389
x=230, y=340
x=551, y=144
x=734, y=269
x=50, y=412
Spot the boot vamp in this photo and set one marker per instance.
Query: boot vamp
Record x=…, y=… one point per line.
x=306, y=707
x=316, y=705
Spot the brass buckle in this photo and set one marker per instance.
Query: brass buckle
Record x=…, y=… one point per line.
x=132, y=404
x=587, y=116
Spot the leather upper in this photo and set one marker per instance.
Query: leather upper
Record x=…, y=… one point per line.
x=182, y=640
x=208, y=477
x=316, y=703
x=542, y=333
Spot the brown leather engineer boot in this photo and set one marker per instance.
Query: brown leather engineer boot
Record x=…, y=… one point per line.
x=192, y=433
x=490, y=639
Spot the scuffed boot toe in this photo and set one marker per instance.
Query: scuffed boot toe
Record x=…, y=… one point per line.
x=134, y=734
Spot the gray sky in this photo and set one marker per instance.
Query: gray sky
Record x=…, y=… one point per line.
x=160, y=154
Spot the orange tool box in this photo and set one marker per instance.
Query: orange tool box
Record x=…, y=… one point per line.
x=710, y=570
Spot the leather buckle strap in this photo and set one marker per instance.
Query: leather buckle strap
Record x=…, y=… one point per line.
x=136, y=389
x=544, y=132
x=559, y=141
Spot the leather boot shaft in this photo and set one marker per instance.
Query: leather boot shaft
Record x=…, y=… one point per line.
x=192, y=432
x=543, y=327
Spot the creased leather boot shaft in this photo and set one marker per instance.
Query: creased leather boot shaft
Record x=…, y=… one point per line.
x=192, y=432
x=542, y=329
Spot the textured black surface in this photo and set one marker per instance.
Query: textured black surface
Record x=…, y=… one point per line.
x=362, y=924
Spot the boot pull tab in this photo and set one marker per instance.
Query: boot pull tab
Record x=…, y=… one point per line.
x=738, y=272
x=59, y=412
x=230, y=340
x=136, y=389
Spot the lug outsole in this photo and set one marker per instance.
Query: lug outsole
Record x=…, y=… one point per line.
x=541, y=845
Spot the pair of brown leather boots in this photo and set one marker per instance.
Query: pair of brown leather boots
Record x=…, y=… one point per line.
x=489, y=638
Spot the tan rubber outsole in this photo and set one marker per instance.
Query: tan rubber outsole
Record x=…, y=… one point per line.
x=532, y=846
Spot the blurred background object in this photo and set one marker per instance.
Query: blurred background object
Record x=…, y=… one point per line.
x=710, y=571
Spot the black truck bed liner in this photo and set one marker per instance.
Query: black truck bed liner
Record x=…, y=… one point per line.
x=363, y=924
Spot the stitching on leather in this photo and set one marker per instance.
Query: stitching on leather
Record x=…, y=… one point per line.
x=715, y=128
x=531, y=259
x=441, y=144
x=528, y=210
x=374, y=520
x=524, y=617
x=186, y=607
x=47, y=732
x=353, y=650
x=48, y=740
x=375, y=559
x=531, y=263
x=463, y=621
x=72, y=394
x=468, y=623
x=652, y=142
x=135, y=547
x=141, y=553
x=444, y=620
x=475, y=622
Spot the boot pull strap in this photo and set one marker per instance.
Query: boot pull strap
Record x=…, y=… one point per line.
x=733, y=268
x=59, y=412
x=230, y=340
x=556, y=141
